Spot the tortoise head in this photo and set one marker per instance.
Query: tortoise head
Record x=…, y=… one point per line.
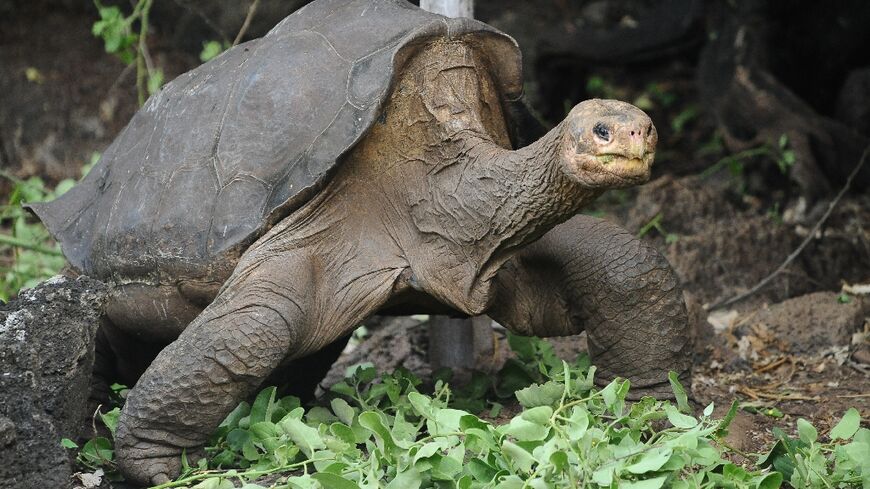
x=607, y=144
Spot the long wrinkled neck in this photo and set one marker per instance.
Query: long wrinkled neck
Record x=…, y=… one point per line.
x=481, y=203
x=501, y=199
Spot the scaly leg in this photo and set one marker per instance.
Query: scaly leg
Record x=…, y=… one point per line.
x=219, y=359
x=588, y=274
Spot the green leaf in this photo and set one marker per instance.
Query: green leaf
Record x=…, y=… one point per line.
x=446, y=421
x=342, y=388
x=307, y=438
x=155, y=81
x=577, y=423
x=538, y=415
x=261, y=410
x=847, y=426
x=525, y=430
x=654, y=483
x=519, y=457
x=609, y=393
x=409, y=479
x=545, y=394
x=420, y=403
x=214, y=483
x=334, y=481
x=709, y=409
x=210, y=50
x=651, y=460
x=110, y=419
x=343, y=410
x=859, y=452
x=304, y=482
x=523, y=346
x=67, y=443
x=679, y=392
x=97, y=452
x=372, y=421
x=481, y=471
x=603, y=476
x=722, y=428
x=678, y=419
x=806, y=431
x=264, y=430
x=772, y=480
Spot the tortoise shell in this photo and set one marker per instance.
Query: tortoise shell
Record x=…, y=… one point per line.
x=224, y=151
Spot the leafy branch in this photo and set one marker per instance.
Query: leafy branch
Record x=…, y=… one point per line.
x=121, y=38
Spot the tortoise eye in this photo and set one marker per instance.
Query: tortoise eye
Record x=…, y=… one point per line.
x=601, y=131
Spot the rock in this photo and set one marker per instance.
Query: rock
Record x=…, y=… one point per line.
x=809, y=323
x=46, y=356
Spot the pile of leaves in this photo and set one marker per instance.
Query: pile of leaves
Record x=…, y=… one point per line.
x=382, y=431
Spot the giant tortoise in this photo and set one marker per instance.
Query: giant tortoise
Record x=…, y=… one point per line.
x=358, y=159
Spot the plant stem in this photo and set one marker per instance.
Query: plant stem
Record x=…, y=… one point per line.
x=20, y=243
x=749, y=153
x=211, y=474
x=247, y=22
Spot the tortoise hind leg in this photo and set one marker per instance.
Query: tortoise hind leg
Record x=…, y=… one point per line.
x=217, y=361
x=588, y=274
x=279, y=305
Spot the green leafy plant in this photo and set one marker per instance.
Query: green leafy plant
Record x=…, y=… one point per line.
x=121, y=38
x=684, y=117
x=806, y=462
x=781, y=154
x=656, y=224
x=211, y=49
x=98, y=452
x=28, y=255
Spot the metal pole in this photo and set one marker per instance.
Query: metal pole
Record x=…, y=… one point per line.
x=456, y=343
x=449, y=8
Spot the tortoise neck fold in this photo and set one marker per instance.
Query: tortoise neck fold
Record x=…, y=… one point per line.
x=482, y=203
x=510, y=198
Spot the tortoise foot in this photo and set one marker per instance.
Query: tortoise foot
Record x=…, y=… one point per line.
x=151, y=463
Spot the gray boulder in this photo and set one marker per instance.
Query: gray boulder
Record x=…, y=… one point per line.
x=46, y=357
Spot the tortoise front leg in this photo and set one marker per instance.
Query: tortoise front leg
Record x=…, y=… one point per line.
x=218, y=361
x=593, y=275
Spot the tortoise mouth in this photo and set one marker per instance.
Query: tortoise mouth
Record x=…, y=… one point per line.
x=625, y=162
x=610, y=170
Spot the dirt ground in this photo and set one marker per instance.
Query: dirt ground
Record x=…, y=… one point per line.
x=797, y=345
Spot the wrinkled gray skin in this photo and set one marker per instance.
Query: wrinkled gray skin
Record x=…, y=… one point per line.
x=424, y=209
